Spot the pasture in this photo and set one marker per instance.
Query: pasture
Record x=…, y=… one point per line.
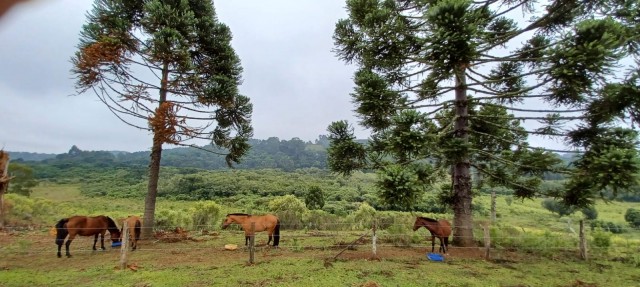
x=539, y=251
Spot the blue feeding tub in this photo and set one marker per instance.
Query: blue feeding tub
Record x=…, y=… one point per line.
x=116, y=244
x=435, y=257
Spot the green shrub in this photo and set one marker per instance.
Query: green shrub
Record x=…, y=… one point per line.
x=386, y=219
x=505, y=236
x=322, y=220
x=364, y=217
x=289, y=209
x=601, y=239
x=632, y=216
x=607, y=226
x=205, y=213
x=314, y=198
x=398, y=235
x=169, y=219
x=557, y=207
x=21, y=209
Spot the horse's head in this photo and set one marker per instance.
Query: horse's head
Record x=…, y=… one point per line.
x=115, y=235
x=227, y=221
x=417, y=224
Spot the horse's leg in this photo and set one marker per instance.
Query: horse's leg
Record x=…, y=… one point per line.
x=101, y=240
x=60, y=247
x=246, y=240
x=270, y=237
x=441, y=249
x=95, y=240
x=66, y=245
x=433, y=242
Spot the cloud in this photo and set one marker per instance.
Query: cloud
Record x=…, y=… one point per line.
x=294, y=80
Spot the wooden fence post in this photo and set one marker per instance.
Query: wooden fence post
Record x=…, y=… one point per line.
x=487, y=241
x=493, y=206
x=583, y=242
x=124, y=246
x=374, y=239
x=252, y=242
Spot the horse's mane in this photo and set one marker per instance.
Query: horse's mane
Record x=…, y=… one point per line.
x=241, y=214
x=428, y=219
x=111, y=225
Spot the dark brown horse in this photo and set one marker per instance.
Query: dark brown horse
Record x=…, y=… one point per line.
x=85, y=226
x=438, y=228
x=134, y=224
x=269, y=223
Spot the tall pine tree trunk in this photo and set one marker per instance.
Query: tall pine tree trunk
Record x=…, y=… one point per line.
x=463, y=230
x=154, y=166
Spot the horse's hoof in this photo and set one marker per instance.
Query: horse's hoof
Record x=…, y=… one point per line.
x=59, y=255
x=68, y=255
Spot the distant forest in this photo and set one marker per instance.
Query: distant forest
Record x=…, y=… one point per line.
x=130, y=168
x=272, y=153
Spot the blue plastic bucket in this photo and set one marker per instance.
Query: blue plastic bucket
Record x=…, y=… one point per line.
x=435, y=257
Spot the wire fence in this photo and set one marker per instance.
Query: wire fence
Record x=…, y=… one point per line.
x=557, y=237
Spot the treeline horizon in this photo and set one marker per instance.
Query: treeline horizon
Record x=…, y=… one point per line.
x=271, y=153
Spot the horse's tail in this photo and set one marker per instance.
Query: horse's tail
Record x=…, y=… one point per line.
x=61, y=231
x=136, y=230
x=276, y=234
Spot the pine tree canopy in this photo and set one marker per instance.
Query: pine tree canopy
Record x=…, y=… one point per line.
x=452, y=85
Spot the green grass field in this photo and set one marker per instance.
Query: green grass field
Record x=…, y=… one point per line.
x=545, y=253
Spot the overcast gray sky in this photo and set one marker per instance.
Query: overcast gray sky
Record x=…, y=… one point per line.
x=297, y=85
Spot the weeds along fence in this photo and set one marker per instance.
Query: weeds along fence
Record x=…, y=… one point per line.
x=378, y=239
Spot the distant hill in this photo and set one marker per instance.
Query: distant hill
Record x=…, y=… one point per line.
x=270, y=153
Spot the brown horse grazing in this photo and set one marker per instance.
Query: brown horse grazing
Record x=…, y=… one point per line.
x=134, y=224
x=438, y=228
x=85, y=226
x=269, y=223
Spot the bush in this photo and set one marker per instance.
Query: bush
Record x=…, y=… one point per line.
x=20, y=209
x=601, y=239
x=363, y=217
x=314, y=198
x=169, y=219
x=399, y=236
x=204, y=213
x=557, y=207
x=320, y=219
x=632, y=216
x=289, y=209
x=607, y=226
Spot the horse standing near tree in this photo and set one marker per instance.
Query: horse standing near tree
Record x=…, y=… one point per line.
x=85, y=226
x=438, y=228
x=134, y=225
x=269, y=223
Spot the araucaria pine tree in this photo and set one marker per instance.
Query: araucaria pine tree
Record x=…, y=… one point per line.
x=165, y=66
x=451, y=87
